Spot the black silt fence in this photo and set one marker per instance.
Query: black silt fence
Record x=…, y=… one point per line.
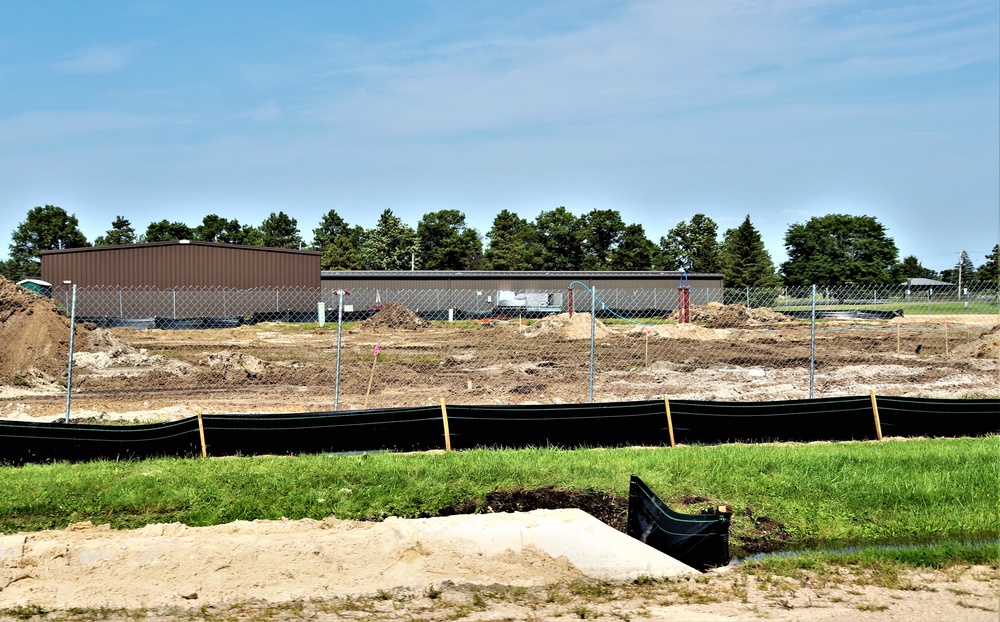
x=833, y=419
x=698, y=540
x=910, y=417
x=401, y=429
x=567, y=425
x=24, y=442
x=607, y=424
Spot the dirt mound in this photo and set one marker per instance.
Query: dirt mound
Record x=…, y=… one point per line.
x=566, y=327
x=394, y=315
x=235, y=366
x=986, y=347
x=609, y=509
x=718, y=315
x=680, y=331
x=34, y=335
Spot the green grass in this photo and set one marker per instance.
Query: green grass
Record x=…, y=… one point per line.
x=827, y=495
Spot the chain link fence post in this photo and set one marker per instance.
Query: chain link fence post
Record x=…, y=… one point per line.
x=812, y=346
x=593, y=326
x=69, y=365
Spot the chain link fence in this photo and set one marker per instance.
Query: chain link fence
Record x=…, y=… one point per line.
x=311, y=349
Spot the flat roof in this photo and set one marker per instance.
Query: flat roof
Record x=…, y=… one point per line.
x=88, y=249
x=631, y=274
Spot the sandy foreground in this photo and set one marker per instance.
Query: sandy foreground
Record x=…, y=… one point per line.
x=541, y=565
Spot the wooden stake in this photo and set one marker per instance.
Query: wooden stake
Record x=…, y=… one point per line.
x=447, y=433
x=372, y=376
x=878, y=424
x=898, y=322
x=670, y=421
x=947, y=353
x=201, y=433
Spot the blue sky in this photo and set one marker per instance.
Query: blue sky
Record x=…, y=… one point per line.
x=781, y=109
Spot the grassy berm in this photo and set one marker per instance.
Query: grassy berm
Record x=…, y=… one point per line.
x=940, y=493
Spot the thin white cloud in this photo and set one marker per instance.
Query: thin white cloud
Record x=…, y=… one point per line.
x=96, y=59
x=262, y=114
x=47, y=124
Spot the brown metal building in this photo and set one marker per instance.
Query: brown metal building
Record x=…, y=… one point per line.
x=168, y=265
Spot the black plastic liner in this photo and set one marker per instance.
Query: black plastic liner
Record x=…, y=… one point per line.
x=845, y=314
x=411, y=429
x=26, y=442
x=912, y=416
x=613, y=424
x=698, y=540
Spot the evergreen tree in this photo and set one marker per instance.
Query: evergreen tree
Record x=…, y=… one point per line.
x=45, y=228
x=513, y=244
x=339, y=242
x=692, y=247
x=165, y=231
x=214, y=228
x=635, y=251
x=280, y=231
x=989, y=272
x=391, y=245
x=446, y=243
x=121, y=232
x=745, y=261
x=911, y=268
x=963, y=272
x=561, y=236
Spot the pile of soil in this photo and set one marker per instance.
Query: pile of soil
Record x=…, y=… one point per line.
x=34, y=335
x=609, y=509
x=718, y=315
x=394, y=315
x=679, y=331
x=986, y=347
x=566, y=327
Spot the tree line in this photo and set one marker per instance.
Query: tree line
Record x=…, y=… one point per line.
x=834, y=249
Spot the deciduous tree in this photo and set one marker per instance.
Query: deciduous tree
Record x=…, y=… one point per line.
x=838, y=249
x=561, y=235
x=603, y=233
x=692, y=247
x=45, y=228
x=635, y=251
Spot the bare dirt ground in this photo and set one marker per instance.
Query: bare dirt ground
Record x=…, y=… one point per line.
x=332, y=569
x=730, y=354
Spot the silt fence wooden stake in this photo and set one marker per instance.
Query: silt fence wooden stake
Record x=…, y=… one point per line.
x=201, y=433
x=878, y=424
x=447, y=433
x=670, y=421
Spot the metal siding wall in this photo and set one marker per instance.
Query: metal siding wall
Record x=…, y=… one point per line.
x=625, y=292
x=183, y=265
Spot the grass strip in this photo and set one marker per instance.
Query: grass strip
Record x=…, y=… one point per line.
x=827, y=495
